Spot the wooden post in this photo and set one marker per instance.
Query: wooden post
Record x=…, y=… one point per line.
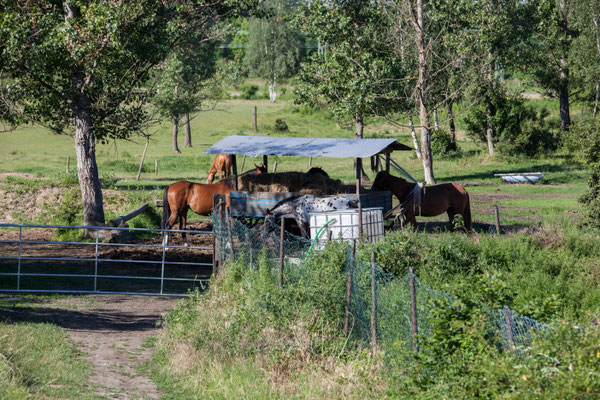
x=387, y=162
x=281, y=252
x=243, y=162
x=266, y=161
x=413, y=309
x=275, y=167
x=373, y=304
x=235, y=171
x=214, y=249
x=254, y=124
x=349, y=289
x=143, y=157
x=497, y=219
x=229, y=235
x=358, y=173
x=155, y=167
x=68, y=163
x=509, y=329
x=309, y=162
x=360, y=219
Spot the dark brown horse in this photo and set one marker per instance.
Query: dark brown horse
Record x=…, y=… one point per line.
x=181, y=196
x=221, y=163
x=447, y=198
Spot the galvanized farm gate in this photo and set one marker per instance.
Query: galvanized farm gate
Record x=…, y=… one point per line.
x=142, y=267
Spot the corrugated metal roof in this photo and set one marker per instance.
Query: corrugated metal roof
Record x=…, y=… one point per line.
x=253, y=146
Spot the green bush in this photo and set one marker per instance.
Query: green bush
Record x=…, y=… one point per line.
x=280, y=125
x=248, y=91
x=441, y=144
x=518, y=128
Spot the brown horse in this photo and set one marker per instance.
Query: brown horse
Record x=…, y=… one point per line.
x=447, y=198
x=181, y=196
x=221, y=163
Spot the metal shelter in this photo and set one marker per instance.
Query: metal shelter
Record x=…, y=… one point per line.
x=254, y=146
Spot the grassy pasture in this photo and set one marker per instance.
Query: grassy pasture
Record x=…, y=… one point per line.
x=36, y=151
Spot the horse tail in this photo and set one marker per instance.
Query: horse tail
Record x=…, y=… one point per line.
x=166, y=214
x=467, y=215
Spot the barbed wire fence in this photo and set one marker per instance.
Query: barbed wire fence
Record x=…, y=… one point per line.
x=383, y=310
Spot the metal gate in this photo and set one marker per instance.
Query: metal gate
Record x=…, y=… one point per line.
x=144, y=266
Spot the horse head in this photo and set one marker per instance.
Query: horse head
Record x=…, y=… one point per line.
x=260, y=169
x=382, y=181
x=317, y=171
x=211, y=177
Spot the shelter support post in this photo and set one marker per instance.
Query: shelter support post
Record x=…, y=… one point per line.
x=266, y=161
x=387, y=162
x=358, y=164
x=235, y=171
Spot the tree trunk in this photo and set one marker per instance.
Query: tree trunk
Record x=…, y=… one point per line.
x=414, y=135
x=489, y=126
x=451, y=121
x=359, y=126
x=565, y=116
x=85, y=145
x=422, y=93
x=273, y=90
x=188, y=130
x=87, y=169
x=175, y=132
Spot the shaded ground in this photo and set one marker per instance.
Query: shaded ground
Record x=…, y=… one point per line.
x=110, y=330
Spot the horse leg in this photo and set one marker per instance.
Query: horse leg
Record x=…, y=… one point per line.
x=410, y=219
x=304, y=228
x=169, y=225
x=182, y=224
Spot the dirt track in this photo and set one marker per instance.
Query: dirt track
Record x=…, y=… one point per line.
x=110, y=330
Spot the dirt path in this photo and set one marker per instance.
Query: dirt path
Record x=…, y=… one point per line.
x=111, y=331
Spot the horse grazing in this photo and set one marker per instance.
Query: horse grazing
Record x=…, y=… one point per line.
x=430, y=201
x=180, y=196
x=221, y=163
x=299, y=207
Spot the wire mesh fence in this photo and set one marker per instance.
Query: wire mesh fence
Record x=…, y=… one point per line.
x=400, y=316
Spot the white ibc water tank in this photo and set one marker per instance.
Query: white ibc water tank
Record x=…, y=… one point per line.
x=345, y=225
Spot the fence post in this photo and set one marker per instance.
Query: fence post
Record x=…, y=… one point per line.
x=309, y=162
x=497, y=219
x=349, y=289
x=254, y=123
x=275, y=167
x=19, y=261
x=96, y=263
x=214, y=248
x=281, y=252
x=155, y=167
x=229, y=235
x=413, y=308
x=243, y=162
x=162, y=268
x=373, y=304
x=509, y=329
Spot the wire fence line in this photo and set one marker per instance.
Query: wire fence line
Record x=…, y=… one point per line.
x=375, y=297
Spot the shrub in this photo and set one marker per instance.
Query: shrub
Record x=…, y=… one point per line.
x=518, y=127
x=248, y=91
x=280, y=125
x=441, y=143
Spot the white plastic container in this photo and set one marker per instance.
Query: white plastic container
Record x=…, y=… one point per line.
x=345, y=225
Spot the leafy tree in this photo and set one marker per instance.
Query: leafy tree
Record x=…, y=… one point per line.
x=549, y=61
x=275, y=48
x=184, y=80
x=354, y=75
x=80, y=64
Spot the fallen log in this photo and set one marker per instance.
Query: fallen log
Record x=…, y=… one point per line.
x=120, y=220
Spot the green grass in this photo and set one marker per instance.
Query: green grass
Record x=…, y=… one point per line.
x=38, y=361
x=34, y=150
